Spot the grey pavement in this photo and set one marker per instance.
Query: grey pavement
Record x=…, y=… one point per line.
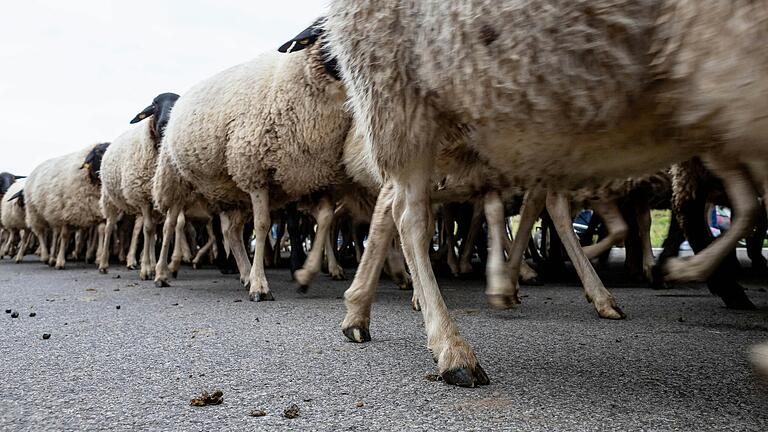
x=677, y=363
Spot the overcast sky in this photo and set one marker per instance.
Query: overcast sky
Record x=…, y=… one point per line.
x=75, y=72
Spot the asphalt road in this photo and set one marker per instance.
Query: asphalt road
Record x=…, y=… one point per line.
x=678, y=362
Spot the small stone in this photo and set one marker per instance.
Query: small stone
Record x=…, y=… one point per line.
x=308, y=400
x=238, y=301
x=116, y=289
x=681, y=319
x=117, y=307
x=360, y=404
x=116, y=277
x=174, y=304
x=291, y=412
x=32, y=314
x=14, y=314
x=257, y=413
x=8, y=311
x=46, y=336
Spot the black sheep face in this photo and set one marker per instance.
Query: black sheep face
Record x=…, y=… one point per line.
x=93, y=162
x=6, y=180
x=307, y=38
x=159, y=113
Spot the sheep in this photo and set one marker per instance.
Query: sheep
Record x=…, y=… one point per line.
x=564, y=95
x=128, y=168
x=12, y=218
x=260, y=134
x=61, y=194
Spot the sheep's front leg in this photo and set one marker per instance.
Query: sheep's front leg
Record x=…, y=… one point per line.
x=207, y=246
x=162, y=272
x=533, y=204
x=130, y=260
x=643, y=213
x=738, y=187
x=111, y=217
x=54, y=247
x=23, y=244
x=6, y=249
x=615, y=224
x=179, y=241
x=456, y=361
x=61, y=259
x=465, y=260
x=559, y=208
x=259, y=288
x=148, y=250
x=323, y=213
x=233, y=234
x=334, y=268
x=500, y=288
x=395, y=266
x=359, y=296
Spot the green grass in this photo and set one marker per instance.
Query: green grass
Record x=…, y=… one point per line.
x=659, y=226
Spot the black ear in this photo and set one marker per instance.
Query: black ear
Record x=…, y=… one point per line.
x=20, y=177
x=305, y=38
x=17, y=195
x=148, y=111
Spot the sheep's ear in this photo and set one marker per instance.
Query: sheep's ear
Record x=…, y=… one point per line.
x=147, y=112
x=304, y=39
x=17, y=195
x=20, y=177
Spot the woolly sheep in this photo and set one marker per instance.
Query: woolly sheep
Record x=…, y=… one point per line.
x=260, y=134
x=127, y=170
x=13, y=219
x=61, y=194
x=564, y=94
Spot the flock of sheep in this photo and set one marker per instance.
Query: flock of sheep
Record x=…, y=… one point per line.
x=387, y=109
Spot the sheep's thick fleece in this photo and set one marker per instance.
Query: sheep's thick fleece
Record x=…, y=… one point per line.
x=58, y=192
x=574, y=79
x=127, y=169
x=275, y=122
x=11, y=212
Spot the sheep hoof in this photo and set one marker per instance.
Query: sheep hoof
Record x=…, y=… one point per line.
x=466, y=377
x=257, y=297
x=502, y=301
x=415, y=304
x=175, y=274
x=131, y=266
x=405, y=285
x=59, y=267
x=302, y=289
x=737, y=300
x=103, y=271
x=194, y=266
x=609, y=310
x=357, y=334
x=161, y=283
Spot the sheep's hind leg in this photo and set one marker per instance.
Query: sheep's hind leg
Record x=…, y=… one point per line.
x=130, y=260
x=334, y=269
x=465, y=260
x=259, y=288
x=359, y=296
x=533, y=204
x=601, y=298
x=207, y=246
x=500, y=289
x=456, y=361
x=162, y=272
x=148, y=250
x=179, y=242
x=23, y=244
x=741, y=193
x=61, y=259
x=234, y=237
x=323, y=213
x=615, y=224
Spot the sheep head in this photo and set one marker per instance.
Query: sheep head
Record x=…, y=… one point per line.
x=159, y=112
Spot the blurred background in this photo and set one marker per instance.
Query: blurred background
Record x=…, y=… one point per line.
x=75, y=72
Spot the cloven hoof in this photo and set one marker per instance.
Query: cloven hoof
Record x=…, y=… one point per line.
x=465, y=377
x=162, y=283
x=737, y=300
x=357, y=334
x=302, y=289
x=132, y=267
x=103, y=271
x=257, y=297
x=502, y=302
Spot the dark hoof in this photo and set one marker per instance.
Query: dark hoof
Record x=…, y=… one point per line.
x=465, y=377
x=502, y=302
x=194, y=266
x=257, y=297
x=657, y=273
x=131, y=267
x=103, y=271
x=738, y=301
x=162, y=284
x=302, y=289
x=175, y=274
x=357, y=334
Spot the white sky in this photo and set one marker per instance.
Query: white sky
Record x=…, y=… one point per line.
x=75, y=72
